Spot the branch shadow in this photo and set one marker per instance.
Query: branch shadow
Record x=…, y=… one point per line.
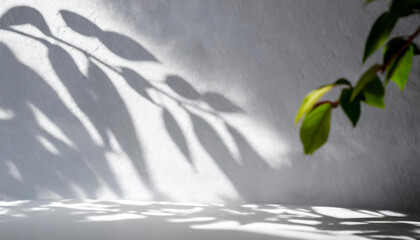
x=79, y=163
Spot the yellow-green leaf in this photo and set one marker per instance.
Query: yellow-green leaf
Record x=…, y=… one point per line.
x=310, y=100
x=399, y=69
x=315, y=128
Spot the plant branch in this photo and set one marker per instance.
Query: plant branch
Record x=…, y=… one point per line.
x=409, y=41
x=381, y=68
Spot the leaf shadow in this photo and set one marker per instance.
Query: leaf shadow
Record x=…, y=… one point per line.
x=24, y=15
x=119, y=44
x=182, y=87
x=138, y=83
x=220, y=103
x=176, y=134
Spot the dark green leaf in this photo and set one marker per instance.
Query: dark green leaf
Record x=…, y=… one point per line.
x=416, y=8
x=379, y=33
x=367, y=77
x=368, y=1
x=399, y=69
x=315, y=128
x=310, y=100
x=416, y=49
x=403, y=8
x=392, y=48
x=374, y=93
x=342, y=81
x=352, y=109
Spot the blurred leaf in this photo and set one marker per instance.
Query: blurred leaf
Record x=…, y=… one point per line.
x=342, y=81
x=310, y=100
x=368, y=1
x=374, y=93
x=403, y=8
x=416, y=8
x=351, y=108
x=392, y=48
x=315, y=128
x=379, y=33
x=399, y=70
x=416, y=49
x=367, y=77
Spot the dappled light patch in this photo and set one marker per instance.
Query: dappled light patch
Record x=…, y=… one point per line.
x=113, y=217
x=128, y=218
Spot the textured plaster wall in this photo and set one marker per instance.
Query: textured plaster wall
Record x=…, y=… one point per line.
x=195, y=101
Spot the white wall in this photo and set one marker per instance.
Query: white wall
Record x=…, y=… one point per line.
x=195, y=101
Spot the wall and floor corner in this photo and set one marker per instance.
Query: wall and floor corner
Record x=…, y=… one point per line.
x=195, y=101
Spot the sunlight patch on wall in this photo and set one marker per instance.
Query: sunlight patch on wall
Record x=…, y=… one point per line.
x=122, y=167
x=48, y=145
x=6, y=114
x=14, y=171
x=49, y=126
x=271, y=147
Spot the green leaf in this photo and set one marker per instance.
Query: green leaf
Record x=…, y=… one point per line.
x=374, y=93
x=379, y=33
x=399, y=70
x=342, y=81
x=315, y=128
x=310, y=100
x=367, y=77
x=352, y=109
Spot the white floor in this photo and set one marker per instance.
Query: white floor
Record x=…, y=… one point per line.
x=95, y=219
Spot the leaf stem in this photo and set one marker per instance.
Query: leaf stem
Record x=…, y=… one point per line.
x=333, y=104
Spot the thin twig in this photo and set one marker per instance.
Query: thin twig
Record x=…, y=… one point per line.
x=333, y=104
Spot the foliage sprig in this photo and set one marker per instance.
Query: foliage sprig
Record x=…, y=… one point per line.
x=398, y=54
